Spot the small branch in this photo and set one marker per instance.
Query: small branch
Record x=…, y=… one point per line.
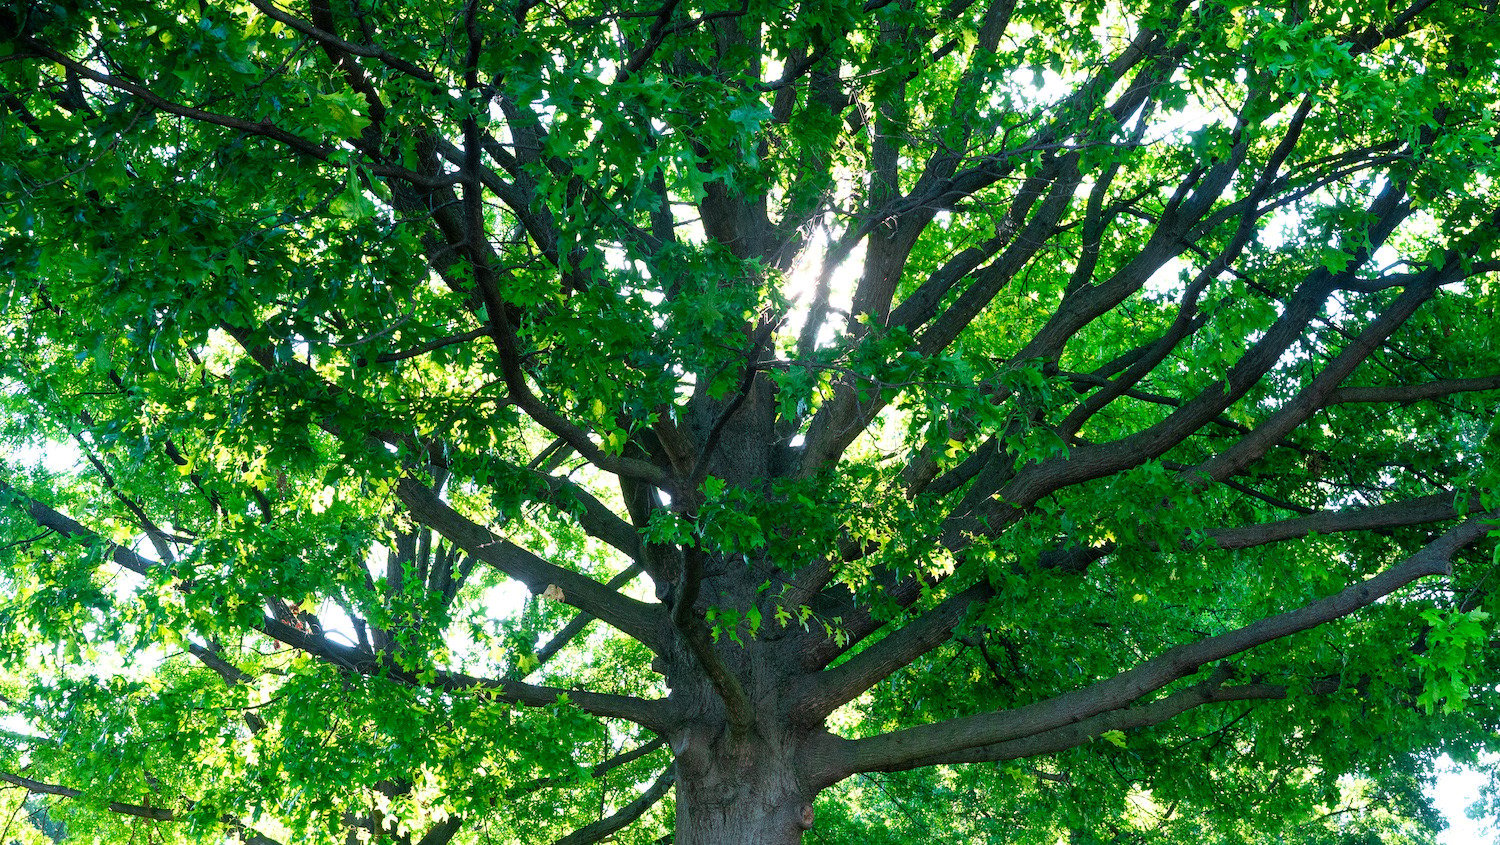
x=604, y=828
x=597, y=520
x=152, y=531
x=508, y=345
x=654, y=38
x=263, y=128
x=232, y=676
x=599, y=769
x=581, y=621
x=333, y=42
x=430, y=346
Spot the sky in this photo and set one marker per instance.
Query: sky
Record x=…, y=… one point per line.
x=1455, y=790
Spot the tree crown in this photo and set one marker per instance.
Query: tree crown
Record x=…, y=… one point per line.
x=485, y=421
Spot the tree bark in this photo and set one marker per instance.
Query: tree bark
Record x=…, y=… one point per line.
x=746, y=784
x=741, y=792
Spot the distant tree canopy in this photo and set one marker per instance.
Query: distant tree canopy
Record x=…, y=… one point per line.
x=746, y=422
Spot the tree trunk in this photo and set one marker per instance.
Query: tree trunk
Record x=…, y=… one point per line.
x=746, y=792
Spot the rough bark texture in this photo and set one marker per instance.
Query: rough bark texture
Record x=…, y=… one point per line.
x=740, y=792
x=753, y=783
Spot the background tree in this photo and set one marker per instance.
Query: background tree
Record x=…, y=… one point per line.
x=1079, y=412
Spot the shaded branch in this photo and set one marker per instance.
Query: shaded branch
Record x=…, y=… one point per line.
x=597, y=771
x=1434, y=508
x=1427, y=509
x=153, y=532
x=508, y=346
x=596, y=519
x=430, y=346
x=330, y=41
x=654, y=37
x=68, y=527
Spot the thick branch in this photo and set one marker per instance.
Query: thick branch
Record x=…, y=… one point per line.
x=642, y=621
x=651, y=714
x=443, y=832
x=1434, y=508
x=138, y=810
x=837, y=686
x=1145, y=715
x=738, y=712
x=1404, y=393
x=68, y=527
x=905, y=748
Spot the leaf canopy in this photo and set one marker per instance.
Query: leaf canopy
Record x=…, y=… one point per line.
x=501, y=422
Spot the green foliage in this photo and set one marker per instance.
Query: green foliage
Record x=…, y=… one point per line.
x=408, y=411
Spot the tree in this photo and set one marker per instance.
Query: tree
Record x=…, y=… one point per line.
x=1095, y=390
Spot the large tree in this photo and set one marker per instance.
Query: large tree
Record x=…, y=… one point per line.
x=478, y=421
